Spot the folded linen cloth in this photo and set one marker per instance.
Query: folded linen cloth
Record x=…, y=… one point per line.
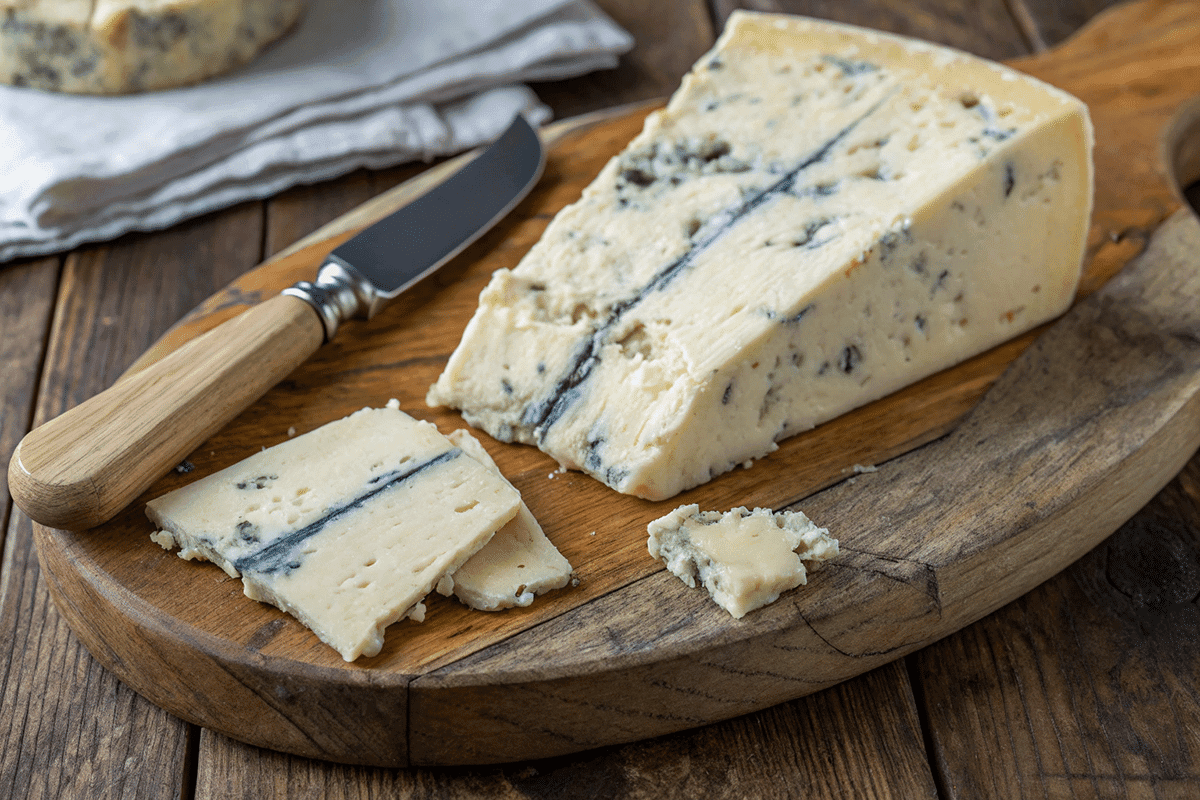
x=359, y=83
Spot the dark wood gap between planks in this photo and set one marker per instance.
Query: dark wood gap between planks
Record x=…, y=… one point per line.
x=917, y=687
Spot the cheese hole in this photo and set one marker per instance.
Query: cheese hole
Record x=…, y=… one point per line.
x=364, y=584
x=369, y=563
x=636, y=342
x=466, y=507
x=580, y=312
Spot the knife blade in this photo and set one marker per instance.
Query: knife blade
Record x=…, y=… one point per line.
x=81, y=468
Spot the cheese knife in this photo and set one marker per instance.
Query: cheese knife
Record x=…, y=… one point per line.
x=81, y=468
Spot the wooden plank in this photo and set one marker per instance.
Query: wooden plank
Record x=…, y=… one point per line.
x=983, y=27
x=27, y=293
x=69, y=728
x=669, y=38
x=817, y=747
x=1086, y=687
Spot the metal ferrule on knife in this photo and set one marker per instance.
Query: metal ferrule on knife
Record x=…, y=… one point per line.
x=339, y=293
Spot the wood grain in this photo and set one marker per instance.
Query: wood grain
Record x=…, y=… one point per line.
x=1086, y=686
x=816, y=747
x=276, y=642
x=669, y=38
x=70, y=729
x=26, y=306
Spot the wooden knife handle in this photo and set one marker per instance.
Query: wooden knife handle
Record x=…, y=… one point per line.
x=81, y=468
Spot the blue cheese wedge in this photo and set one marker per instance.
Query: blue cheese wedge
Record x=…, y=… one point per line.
x=820, y=216
x=123, y=46
x=745, y=559
x=516, y=565
x=347, y=527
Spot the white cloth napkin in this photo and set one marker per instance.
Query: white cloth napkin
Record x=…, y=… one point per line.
x=358, y=83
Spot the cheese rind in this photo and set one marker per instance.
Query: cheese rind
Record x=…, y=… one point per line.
x=347, y=527
x=123, y=46
x=516, y=565
x=820, y=216
x=745, y=559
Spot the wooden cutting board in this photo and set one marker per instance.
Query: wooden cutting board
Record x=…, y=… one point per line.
x=1080, y=431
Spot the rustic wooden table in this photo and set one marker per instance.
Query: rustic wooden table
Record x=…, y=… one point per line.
x=1085, y=687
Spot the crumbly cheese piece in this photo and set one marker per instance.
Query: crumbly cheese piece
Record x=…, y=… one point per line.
x=518, y=563
x=820, y=216
x=123, y=46
x=745, y=559
x=347, y=527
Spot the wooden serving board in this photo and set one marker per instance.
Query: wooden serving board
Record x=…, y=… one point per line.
x=1078, y=433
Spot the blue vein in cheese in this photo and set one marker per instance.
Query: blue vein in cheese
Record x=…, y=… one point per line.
x=545, y=413
x=278, y=555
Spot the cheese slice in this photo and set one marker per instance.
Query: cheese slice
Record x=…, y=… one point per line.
x=745, y=559
x=123, y=46
x=820, y=216
x=516, y=565
x=347, y=527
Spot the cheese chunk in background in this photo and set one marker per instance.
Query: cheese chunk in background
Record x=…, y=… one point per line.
x=347, y=527
x=745, y=559
x=821, y=215
x=124, y=46
x=516, y=565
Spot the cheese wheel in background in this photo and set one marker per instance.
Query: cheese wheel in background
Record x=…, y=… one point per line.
x=125, y=46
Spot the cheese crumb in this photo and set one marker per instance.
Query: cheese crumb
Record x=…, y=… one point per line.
x=745, y=559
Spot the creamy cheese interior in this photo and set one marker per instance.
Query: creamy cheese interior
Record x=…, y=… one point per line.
x=820, y=216
x=516, y=565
